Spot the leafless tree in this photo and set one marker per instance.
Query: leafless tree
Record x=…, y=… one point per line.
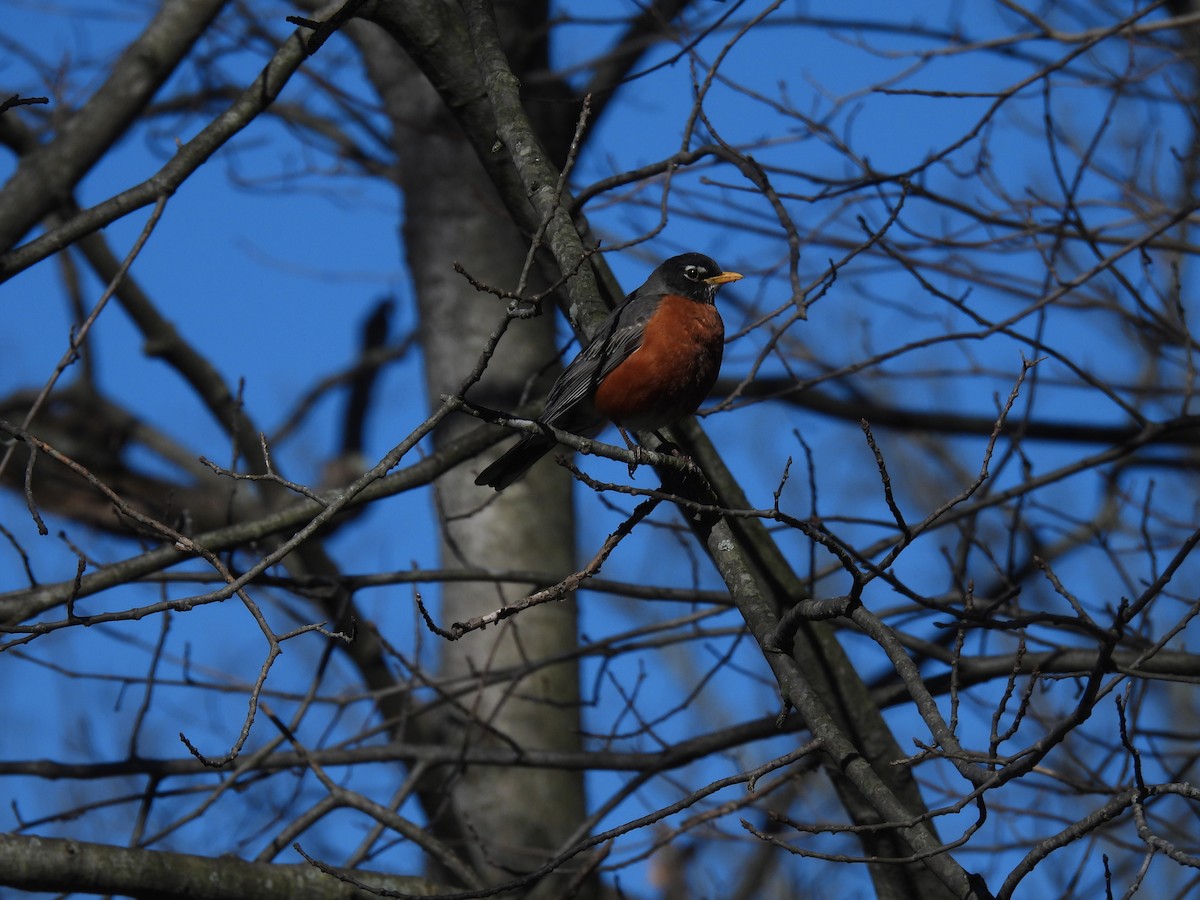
x=910, y=613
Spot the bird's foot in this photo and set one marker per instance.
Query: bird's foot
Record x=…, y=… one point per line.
x=689, y=464
x=640, y=457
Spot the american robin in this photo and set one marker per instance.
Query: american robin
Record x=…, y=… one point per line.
x=652, y=362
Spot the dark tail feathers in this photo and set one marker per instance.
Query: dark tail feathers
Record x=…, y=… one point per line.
x=516, y=462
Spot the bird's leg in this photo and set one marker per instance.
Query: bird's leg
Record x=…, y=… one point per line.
x=635, y=449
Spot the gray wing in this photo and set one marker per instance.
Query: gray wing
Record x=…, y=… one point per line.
x=616, y=340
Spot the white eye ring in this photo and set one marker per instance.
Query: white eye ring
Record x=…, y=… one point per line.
x=691, y=273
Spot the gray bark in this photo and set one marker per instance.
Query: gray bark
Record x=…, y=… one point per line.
x=505, y=820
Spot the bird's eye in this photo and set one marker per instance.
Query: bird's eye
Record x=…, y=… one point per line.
x=691, y=273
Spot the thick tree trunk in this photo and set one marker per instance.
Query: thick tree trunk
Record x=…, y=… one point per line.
x=506, y=821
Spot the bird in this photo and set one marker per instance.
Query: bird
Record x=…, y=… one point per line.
x=652, y=362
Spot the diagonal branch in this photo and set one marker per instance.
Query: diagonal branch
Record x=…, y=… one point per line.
x=52, y=171
x=256, y=98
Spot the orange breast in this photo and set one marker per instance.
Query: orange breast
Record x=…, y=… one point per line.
x=673, y=370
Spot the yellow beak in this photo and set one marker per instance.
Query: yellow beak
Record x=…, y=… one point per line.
x=723, y=278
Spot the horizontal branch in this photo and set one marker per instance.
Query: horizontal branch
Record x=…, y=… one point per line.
x=1180, y=431
x=49, y=864
x=502, y=756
